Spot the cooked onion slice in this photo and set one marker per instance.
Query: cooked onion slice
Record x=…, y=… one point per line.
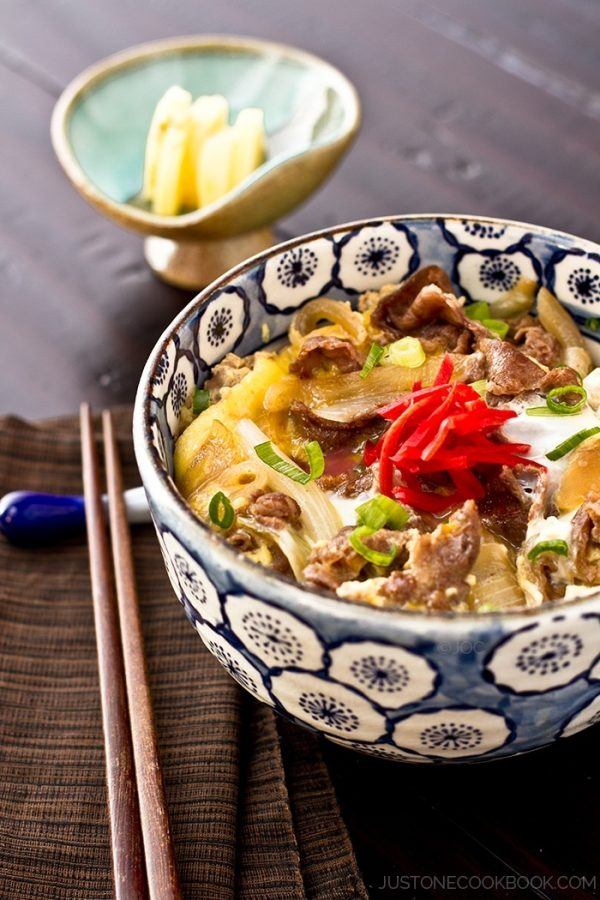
x=290, y=541
x=239, y=482
x=320, y=518
x=515, y=302
x=559, y=323
x=495, y=586
x=343, y=397
x=322, y=309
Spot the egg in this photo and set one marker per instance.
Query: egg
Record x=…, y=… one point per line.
x=544, y=433
x=347, y=506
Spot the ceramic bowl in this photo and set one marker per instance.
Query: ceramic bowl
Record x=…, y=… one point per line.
x=409, y=686
x=100, y=124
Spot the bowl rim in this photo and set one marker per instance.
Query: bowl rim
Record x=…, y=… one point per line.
x=132, y=56
x=163, y=493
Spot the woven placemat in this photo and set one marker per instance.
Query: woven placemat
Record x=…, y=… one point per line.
x=252, y=807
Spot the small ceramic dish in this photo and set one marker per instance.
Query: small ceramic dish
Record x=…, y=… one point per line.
x=100, y=124
x=404, y=685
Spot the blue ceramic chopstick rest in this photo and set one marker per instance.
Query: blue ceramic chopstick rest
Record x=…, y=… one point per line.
x=28, y=517
x=31, y=518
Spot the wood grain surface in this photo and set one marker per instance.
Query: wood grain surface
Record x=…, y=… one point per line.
x=480, y=106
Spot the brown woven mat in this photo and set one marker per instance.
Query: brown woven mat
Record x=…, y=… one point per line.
x=252, y=806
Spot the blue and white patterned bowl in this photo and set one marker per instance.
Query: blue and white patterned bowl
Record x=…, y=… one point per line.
x=408, y=686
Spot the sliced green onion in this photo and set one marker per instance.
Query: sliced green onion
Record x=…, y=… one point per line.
x=592, y=324
x=375, y=354
x=539, y=411
x=221, y=511
x=556, y=405
x=316, y=462
x=560, y=547
x=201, y=401
x=480, y=386
x=397, y=514
x=572, y=442
x=408, y=352
x=479, y=310
x=497, y=326
x=381, y=511
x=377, y=557
x=266, y=453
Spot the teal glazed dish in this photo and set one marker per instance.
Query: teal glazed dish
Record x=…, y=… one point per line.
x=100, y=125
x=437, y=687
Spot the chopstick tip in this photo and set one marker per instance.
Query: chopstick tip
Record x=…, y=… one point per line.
x=85, y=415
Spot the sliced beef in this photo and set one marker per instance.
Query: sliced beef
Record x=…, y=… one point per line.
x=348, y=484
x=279, y=561
x=436, y=318
x=227, y=374
x=423, y=522
x=518, y=324
x=245, y=542
x=438, y=564
x=535, y=341
x=442, y=337
x=332, y=434
x=542, y=578
x=509, y=498
x=390, y=309
x=545, y=573
x=242, y=540
x=560, y=377
x=335, y=561
x=275, y=510
x=509, y=371
x=541, y=345
x=320, y=351
x=472, y=367
x=585, y=541
x=541, y=505
x=431, y=305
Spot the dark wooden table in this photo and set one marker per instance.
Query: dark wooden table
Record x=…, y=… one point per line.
x=484, y=106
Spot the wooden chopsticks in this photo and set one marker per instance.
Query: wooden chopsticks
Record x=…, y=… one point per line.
x=142, y=848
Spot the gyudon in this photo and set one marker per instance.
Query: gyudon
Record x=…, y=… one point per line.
x=418, y=453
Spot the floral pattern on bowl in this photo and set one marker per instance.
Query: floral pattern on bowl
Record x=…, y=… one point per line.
x=575, y=276
x=479, y=235
x=278, y=638
x=332, y=707
x=384, y=251
x=405, y=686
x=192, y=582
x=588, y=715
x=389, y=676
x=488, y=274
x=288, y=280
x=546, y=655
x=238, y=666
x=222, y=325
x=453, y=732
